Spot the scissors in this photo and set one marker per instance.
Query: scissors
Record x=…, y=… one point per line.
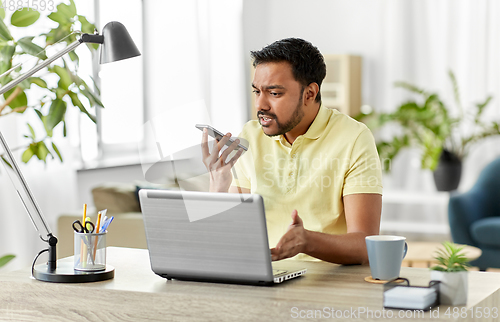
x=79, y=228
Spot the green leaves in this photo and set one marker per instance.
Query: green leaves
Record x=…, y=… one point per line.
x=6, y=54
x=4, y=31
x=64, y=76
x=480, y=109
x=67, y=10
x=56, y=113
x=5, y=259
x=429, y=125
x=410, y=87
x=87, y=27
x=65, y=17
x=38, y=81
x=30, y=48
x=76, y=102
x=64, y=14
x=451, y=258
x=21, y=100
x=56, y=150
x=24, y=17
x=53, y=100
x=27, y=154
x=38, y=149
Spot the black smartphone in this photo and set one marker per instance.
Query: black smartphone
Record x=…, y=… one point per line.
x=218, y=135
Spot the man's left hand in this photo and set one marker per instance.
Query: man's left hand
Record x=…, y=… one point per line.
x=294, y=241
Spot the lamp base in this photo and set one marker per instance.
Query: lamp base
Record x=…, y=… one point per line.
x=65, y=273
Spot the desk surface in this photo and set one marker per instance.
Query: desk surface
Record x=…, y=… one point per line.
x=136, y=293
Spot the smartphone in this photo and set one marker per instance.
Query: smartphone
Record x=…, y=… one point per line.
x=218, y=135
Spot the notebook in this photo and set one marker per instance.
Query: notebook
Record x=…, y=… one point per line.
x=410, y=298
x=216, y=237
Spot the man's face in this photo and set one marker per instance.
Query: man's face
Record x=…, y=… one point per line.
x=278, y=98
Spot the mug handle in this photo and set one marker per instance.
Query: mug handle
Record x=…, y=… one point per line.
x=405, y=250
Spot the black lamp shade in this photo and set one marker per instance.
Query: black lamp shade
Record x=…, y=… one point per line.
x=117, y=44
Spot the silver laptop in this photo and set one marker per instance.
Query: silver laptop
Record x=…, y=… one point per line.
x=204, y=236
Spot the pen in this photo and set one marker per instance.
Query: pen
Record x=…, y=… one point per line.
x=83, y=254
x=104, y=219
x=106, y=224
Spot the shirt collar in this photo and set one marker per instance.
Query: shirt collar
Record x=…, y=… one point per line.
x=317, y=126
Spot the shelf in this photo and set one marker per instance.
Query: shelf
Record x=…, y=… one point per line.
x=437, y=199
x=415, y=227
x=416, y=197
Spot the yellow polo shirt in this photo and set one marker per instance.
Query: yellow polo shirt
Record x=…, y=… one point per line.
x=336, y=157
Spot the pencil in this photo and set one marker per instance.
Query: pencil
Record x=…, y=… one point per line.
x=97, y=232
x=84, y=213
x=98, y=222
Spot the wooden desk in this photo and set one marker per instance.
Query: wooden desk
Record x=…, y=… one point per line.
x=137, y=294
x=421, y=254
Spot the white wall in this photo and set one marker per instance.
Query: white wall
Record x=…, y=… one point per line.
x=398, y=40
x=410, y=40
x=335, y=27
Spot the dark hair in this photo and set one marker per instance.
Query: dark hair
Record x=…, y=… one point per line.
x=308, y=65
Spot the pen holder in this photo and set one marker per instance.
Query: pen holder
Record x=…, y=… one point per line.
x=90, y=251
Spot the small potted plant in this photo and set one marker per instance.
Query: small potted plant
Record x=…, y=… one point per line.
x=452, y=273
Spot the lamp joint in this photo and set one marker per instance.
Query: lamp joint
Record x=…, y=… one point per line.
x=95, y=39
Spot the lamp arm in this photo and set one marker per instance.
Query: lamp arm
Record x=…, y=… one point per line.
x=36, y=211
x=51, y=239
x=38, y=67
x=31, y=199
x=86, y=38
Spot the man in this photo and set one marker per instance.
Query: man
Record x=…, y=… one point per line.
x=316, y=164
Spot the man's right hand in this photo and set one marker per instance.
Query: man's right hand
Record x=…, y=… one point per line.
x=219, y=169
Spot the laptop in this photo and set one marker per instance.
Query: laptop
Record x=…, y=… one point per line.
x=214, y=237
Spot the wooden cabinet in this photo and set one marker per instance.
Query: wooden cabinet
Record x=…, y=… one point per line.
x=341, y=88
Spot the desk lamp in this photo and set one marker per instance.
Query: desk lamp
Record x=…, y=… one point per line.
x=116, y=44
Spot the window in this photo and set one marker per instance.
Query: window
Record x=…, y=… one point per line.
x=190, y=71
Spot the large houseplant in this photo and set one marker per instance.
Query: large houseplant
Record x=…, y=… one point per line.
x=452, y=273
x=5, y=259
x=58, y=86
x=444, y=139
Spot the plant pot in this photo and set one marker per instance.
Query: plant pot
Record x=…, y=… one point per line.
x=453, y=287
x=448, y=172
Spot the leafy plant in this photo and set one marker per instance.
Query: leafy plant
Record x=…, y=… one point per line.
x=427, y=124
x=451, y=259
x=51, y=102
x=5, y=259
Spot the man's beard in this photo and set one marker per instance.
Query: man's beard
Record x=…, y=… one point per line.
x=283, y=128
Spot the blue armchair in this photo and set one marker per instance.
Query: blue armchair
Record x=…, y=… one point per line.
x=474, y=217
